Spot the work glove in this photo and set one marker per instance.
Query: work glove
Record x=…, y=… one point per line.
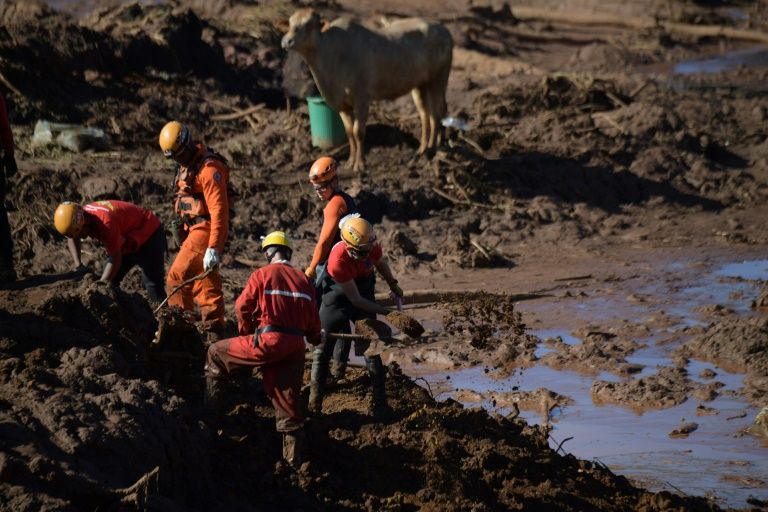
x=9, y=162
x=310, y=272
x=211, y=258
x=395, y=288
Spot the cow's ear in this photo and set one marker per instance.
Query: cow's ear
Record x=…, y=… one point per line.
x=281, y=25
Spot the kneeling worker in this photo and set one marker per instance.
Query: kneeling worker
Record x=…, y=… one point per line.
x=348, y=296
x=130, y=234
x=275, y=312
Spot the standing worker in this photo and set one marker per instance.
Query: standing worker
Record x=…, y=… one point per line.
x=7, y=169
x=130, y=234
x=275, y=311
x=349, y=295
x=323, y=175
x=202, y=207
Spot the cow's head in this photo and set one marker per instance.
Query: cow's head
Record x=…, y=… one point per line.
x=303, y=30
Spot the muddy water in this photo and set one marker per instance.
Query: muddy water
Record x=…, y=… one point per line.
x=715, y=460
x=756, y=57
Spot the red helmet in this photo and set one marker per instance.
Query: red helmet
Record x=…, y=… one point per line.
x=323, y=170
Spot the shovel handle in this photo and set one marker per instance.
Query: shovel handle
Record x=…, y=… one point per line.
x=349, y=337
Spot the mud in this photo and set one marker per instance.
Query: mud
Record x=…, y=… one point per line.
x=584, y=146
x=738, y=344
x=405, y=323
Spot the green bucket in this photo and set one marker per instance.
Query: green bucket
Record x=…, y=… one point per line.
x=325, y=124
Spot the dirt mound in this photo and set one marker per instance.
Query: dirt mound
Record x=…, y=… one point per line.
x=599, y=351
x=667, y=388
x=740, y=345
x=84, y=427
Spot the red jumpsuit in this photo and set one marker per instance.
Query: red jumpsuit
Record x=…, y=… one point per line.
x=202, y=202
x=280, y=301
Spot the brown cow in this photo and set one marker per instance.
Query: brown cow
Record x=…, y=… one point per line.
x=353, y=65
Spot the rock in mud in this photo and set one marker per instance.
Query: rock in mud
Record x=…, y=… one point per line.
x=684, y=430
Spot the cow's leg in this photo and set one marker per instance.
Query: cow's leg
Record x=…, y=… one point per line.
x=360, y=115
x=419, y=100
x=437, y=105
x=346, y=118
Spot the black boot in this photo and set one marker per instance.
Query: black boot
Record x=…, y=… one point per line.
x=379, y=408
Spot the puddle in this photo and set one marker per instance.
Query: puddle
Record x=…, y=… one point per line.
x=715, y=459
x=755, y=270
x=545, y=334
x=751, y=57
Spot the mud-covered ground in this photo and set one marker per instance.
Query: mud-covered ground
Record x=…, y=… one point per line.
x=585, y=155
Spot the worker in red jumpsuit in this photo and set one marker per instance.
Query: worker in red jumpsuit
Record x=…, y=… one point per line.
x=130, y=235
x=7, y=169
x=202, y=208
x=275, y=312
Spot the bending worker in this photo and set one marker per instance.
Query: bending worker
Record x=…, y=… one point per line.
x=348, y=295
x=7, y=169
x=275, y=311
x=202, y=207
x=323, y=175
x=130, y=234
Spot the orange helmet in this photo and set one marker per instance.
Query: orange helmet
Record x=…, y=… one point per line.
x=69, y=219
x=173, y=138
x=357, y=233
x=323, y=170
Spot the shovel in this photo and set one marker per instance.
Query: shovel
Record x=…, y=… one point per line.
x=375, y=332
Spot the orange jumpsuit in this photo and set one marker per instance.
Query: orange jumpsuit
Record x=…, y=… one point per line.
x=201, y=200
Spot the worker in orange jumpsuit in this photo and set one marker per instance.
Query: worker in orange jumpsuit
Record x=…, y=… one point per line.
x=323, y=176
x=202, y=207
x=7, y=169
x=130, y=234
x=275, y=312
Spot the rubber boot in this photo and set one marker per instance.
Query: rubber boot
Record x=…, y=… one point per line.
x=379, y=408
x=318, y=377
x=213, y=400
x=340, y=358
x=292, y=446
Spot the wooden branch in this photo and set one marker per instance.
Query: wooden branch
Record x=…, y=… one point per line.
x=482, y=250
x=9, y=85
x=613, y=123
x=238, y=113
x=466, y=203
x=571, y=17
x=434, y=295
x=182, y=285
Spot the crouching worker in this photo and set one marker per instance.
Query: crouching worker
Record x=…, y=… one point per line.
x=130, y=234
x=275, y=312
x=348, y=295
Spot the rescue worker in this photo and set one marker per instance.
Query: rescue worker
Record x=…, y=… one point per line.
x=202, y=207
x=130, y=234
x=323, y=175
x=7, y=169
x=348, y=295
x=275, y=312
